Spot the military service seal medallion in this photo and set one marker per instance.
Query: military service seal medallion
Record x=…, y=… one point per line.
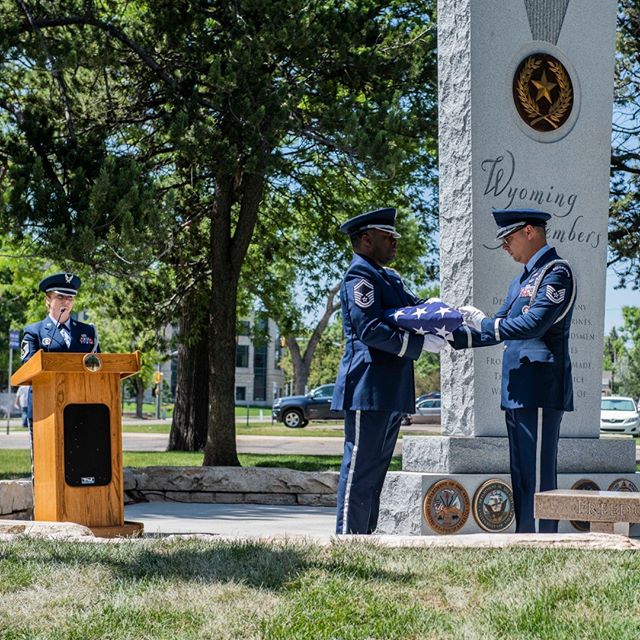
x=622, y=484
x=493, y=506
x=583, y=484
x=446, y=506
x=543, y=92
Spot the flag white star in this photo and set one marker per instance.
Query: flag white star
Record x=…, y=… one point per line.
x=397, y=314
x=443, y=311
x=441, y=331
x=420, y=311
x=420, y=331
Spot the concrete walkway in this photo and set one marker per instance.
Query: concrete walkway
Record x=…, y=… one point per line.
x=244, y=520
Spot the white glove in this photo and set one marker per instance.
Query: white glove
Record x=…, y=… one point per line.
x=434, y=344
x=472, y=316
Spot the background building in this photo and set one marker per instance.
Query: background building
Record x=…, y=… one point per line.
x=259, y=378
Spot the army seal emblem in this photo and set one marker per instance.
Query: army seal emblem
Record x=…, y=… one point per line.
x=543, y=92
x=446, y=506
x=493, y=506
x=622, y=484
x=583, y=484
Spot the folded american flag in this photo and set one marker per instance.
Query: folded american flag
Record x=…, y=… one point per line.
x=431, y=316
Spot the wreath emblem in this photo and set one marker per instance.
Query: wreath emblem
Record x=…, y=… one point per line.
x=543, y=92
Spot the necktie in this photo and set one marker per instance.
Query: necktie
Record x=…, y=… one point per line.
x=525, y=275
x=66, y=335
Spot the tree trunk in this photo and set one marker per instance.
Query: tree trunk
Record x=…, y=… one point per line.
x=300, y=367
x=302, y=363
x=139, y=397
x=228, y=250
x=191, y=409
x=220, y=449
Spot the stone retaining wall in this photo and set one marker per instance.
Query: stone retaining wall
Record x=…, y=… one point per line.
x=16, y=500
x=251, y=485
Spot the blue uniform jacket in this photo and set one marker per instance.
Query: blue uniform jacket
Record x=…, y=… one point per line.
x=45, y=335
x=376, y=371
x=536, y=369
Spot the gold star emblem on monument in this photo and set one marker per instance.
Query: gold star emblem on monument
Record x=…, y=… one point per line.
x=544, y=87
x=543, y=92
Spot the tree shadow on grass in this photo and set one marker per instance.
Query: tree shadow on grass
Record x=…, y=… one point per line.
x=251, y=563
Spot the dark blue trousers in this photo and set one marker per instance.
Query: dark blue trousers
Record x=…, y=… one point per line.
x=369, y=440
x=533, y=450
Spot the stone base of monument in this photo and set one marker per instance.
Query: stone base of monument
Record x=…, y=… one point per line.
x=462, y=484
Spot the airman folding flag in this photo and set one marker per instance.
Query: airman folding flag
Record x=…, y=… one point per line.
x=432, y=316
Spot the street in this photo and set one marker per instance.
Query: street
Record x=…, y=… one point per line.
x=264, y=445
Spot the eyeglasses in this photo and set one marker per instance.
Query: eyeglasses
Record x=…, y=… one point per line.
x=507, y=241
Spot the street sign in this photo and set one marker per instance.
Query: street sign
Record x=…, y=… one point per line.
x=157, y=377
x=14, y=339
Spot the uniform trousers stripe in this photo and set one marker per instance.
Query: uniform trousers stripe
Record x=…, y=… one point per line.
x=352, y=468
x=533, y=450
x=539, y=436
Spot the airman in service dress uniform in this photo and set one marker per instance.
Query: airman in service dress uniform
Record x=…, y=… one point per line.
x=58, y=331
x=534, y=323
x=375, y=384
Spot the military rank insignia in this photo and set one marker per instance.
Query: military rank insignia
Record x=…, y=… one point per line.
x=555, y=295
x=363, y=294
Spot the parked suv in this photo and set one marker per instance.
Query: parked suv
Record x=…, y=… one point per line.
x=296, y=411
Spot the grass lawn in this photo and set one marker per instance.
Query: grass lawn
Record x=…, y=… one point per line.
x=206, y=589
x=15, y=463
x=254, y=429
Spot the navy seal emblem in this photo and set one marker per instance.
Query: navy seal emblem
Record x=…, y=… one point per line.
x=493, y=506
x=583, y=484
x=446, y=506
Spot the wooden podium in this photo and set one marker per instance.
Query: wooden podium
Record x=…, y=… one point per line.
x=77, y=438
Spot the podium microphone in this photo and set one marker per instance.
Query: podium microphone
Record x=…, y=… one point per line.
x=95, y=339
x=55, y=326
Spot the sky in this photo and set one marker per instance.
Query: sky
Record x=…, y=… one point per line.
x=615, y=300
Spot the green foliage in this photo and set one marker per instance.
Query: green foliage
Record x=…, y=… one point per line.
x=328, y=354
x=630, y=366
x=624, y=214
x=614, y=352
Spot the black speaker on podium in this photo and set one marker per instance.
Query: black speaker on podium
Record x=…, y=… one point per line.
x=87, y=445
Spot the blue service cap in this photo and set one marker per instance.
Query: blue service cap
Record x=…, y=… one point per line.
x=382, y=219
x=511, y=220
x=65, y=283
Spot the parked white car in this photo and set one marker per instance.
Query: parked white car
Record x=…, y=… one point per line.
x=619, y=415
